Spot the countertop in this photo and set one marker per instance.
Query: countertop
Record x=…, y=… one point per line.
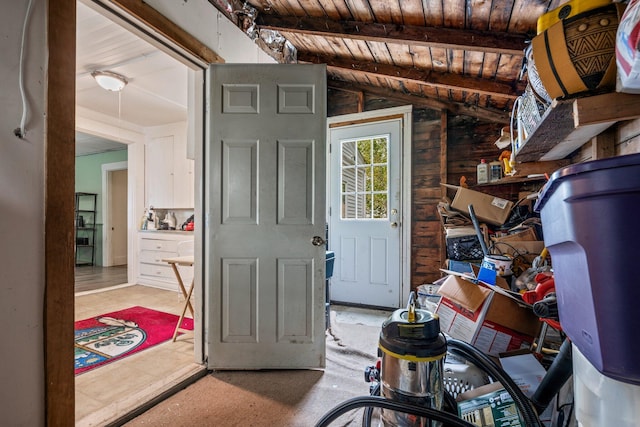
x=186, y=233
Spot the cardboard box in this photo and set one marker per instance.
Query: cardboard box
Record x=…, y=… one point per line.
x=489, y=406
x=521, y=234
x=529, y=250
x=487, y=208
x=525, y=370
x=484, y=316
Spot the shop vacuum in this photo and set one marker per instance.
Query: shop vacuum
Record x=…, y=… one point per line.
x=412, y=357
x=408, y=382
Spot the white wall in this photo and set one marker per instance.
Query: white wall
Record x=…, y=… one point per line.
x=22, y=400
x=22, y=227
x=205, y=23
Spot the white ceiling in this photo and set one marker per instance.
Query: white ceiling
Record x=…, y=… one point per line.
x=156, y=92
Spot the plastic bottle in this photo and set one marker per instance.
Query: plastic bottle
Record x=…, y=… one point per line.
x=495, y=171
x=483, y=172
x=143, y=221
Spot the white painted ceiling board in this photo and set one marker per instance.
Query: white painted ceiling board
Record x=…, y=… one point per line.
x=156, y=93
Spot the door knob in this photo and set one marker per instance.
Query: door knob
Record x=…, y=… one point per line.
x=317, y=241
x=394, y=224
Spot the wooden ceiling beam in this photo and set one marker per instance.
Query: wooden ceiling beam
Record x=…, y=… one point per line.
x=486, y=114
x=428, y=77
x=448, y=38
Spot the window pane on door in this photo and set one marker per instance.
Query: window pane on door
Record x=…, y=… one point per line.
x=380, y=206
x=380, y=178
x=364, y=178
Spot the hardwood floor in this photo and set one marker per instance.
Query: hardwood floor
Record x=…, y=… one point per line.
x=91, y=277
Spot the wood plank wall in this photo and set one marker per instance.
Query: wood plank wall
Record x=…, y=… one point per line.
x=470, y=141
x=628, y=137
x=427, y=246
x=620, y=139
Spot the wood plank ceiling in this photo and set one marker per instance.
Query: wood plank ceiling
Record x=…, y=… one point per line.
x=464, y=56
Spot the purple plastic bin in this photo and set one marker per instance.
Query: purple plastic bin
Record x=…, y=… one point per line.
x=591, y=227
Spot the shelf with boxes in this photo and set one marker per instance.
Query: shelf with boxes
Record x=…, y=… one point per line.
x=529, y=178
x=573, y=74
x=505, y=230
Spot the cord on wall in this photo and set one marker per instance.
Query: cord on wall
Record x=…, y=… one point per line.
x=21, y=131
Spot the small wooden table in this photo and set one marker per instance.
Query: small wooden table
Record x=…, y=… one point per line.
x=185, y=261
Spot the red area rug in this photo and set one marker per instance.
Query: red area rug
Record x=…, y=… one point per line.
x=112, y=336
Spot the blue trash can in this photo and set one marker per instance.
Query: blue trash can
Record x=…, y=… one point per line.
x=588, y=212
x=330, y=257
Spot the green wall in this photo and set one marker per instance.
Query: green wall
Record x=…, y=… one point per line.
x=89, y=180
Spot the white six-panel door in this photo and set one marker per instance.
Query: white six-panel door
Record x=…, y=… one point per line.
x=265, y=210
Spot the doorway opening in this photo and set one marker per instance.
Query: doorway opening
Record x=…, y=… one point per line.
x=114, y=206
x=120, y=125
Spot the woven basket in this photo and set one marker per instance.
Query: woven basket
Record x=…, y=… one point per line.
x=534, y=78
x=578, y=54
x=591, y=42
x=529, y=112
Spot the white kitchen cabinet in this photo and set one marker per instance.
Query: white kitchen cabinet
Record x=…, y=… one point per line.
x=158, y=245
x=169, y=181
x=183, y=181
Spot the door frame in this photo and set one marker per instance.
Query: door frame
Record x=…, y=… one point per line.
x=107, y=169
x=405, y=114
x=59, y=399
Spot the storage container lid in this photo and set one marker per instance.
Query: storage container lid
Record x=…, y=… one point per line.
x=581, y=168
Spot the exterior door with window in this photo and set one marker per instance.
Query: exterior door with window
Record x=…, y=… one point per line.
x=365, y=218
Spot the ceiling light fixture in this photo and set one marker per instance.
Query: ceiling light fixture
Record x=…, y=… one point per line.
x=109, y=80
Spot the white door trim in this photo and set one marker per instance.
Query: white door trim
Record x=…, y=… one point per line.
x=106, y=213
x=405, y=167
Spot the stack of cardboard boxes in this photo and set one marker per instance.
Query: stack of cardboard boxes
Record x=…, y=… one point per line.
x=479, y=306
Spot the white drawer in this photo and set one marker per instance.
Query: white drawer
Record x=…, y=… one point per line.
x=159, y=245
x=156, y=257
x=158, y=271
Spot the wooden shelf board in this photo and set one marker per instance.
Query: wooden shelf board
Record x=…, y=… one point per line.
x=569, y=124
x=575, y=140
x=606, y=108
x=511, y=180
